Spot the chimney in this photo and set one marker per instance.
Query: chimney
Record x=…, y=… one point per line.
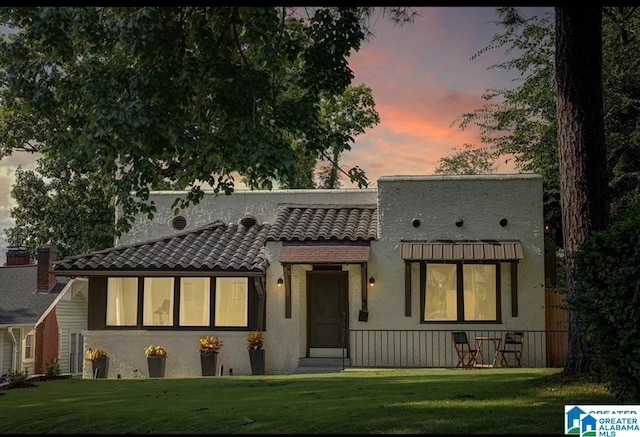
x=18, y=256
x=47, y=254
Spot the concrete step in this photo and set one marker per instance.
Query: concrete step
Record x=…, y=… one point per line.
x=319, y=365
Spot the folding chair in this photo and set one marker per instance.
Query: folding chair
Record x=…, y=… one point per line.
x=512, y=346
x=466, y=355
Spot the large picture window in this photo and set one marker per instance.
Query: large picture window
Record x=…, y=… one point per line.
x=462, y=292
x=232, y=302
x=195, y=296
x=122, y=301
x=158, y=301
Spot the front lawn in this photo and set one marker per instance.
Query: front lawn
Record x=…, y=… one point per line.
x=491, y=401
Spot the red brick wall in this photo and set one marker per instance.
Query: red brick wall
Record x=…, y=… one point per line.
x=47, y=341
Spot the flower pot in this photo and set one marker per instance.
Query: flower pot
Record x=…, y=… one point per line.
x=256, y=357
x=100, y=367
x=156, y=366
x=208, y=363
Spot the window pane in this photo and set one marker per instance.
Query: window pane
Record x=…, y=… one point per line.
x=194, y=301
x=232, y=302
x=158, y=302
x=479, y=292
x=122, y=301
x=441, y=302
x=28, y=346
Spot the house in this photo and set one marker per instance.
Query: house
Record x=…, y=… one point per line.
x=349, y=273
x=41, y=316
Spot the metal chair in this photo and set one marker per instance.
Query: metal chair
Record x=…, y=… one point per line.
x=511, y=347
x=466, y=355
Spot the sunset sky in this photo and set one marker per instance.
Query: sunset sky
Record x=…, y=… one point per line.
x=422, y=78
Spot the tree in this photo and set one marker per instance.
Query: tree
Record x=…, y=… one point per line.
x=343, y=117
x=174, y=95
x=520, y=122
x=469, y=160
x=581, y=146
x=60, y=206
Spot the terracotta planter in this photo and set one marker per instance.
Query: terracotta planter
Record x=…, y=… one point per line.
x=256, y=357
x=156, y=366
x=100, y=367
x=209, y=363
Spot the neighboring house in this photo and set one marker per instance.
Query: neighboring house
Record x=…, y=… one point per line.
x=41, y=318
x=417, y=254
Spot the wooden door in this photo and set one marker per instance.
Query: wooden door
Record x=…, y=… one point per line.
x=326, y=308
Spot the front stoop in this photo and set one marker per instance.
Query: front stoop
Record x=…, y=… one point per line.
x=320, y=365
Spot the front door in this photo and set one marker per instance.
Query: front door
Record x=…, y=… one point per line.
x=327, y=312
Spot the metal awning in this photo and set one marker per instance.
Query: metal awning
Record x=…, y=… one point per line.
x=324, y=254
x=462, y=250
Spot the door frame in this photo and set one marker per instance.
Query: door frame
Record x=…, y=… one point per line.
x=343, y=275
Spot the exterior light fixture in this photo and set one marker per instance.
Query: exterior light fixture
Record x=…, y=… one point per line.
x=372, y=281
x=280, y=282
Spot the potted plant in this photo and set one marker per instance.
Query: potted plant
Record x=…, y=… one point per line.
x=209, y=348
x=255, y=342
x=156, y=358
x=99, y=362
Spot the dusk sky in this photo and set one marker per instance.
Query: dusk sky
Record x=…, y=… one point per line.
x=422, y=78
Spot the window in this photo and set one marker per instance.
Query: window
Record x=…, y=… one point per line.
x=28, y=346
x=195, y=297
x=158, y=302
x=462, y=292
x=232, y=302
x=122, y=301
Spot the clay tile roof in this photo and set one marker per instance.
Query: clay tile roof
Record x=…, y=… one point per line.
x=325, y=223
x=214, y=247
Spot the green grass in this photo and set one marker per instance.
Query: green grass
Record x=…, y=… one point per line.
x=495, y=401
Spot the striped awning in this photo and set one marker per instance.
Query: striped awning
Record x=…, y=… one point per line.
x=462, y=250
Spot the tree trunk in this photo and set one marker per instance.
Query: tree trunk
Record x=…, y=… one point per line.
x=581, y=147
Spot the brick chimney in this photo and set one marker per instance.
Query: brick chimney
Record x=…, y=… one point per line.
x=47, y=254
x=18, y=256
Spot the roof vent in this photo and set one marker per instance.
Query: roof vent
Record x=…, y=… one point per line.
x=247, y=221
x=179, y=222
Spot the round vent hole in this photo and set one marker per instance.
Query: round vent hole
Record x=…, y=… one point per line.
x=179, y=222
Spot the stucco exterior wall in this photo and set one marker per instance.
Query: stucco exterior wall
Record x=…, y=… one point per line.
x=230, y=208
x=437, y=201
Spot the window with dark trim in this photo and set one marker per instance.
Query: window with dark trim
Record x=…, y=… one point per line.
x=182, y=303
x=460, y=292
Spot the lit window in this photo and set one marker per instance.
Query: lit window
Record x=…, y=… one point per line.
x=194, y=301
x=158, y=302
x=475, y=296
x=28, y=347
x=232, y=302
x=122, y=301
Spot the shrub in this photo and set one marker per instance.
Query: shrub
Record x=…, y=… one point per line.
x=18, y=378
x=94, y=354
x=255, y=340
x=607, y=298
x=155, y=351
x=210, y=344
x=53, y=368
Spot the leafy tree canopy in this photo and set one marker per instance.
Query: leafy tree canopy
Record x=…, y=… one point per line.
x=152, y=97
x=468, y=160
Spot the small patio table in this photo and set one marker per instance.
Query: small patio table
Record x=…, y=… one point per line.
x=480, y=345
